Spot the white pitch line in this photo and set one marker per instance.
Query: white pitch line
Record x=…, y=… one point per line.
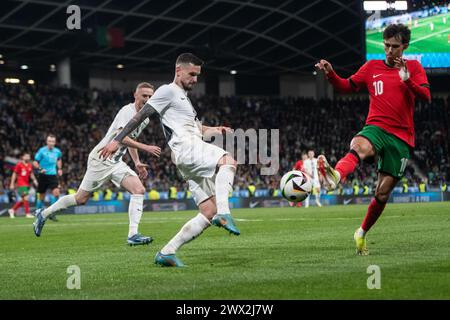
x=429, y=36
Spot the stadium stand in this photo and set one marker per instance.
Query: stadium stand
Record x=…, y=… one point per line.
x=79, y=118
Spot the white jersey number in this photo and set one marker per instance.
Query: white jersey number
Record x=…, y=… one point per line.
x=378, y=86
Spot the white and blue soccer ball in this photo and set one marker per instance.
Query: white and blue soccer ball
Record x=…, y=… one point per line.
x=295, y=186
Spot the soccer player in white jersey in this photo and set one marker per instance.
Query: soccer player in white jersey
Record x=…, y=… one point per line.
x=208, y=169
x=310, y=167
x=114, y=169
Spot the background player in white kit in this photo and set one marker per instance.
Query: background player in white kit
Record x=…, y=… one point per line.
x=114, y=169
x=196, y=160
x=310, y=167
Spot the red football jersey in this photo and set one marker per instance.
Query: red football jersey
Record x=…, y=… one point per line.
x=391, y=101
x=23, y=172
x=299, y=165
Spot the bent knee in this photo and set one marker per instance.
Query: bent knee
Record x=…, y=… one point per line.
x=209, y=214
x=138, y=190
x=382, y=195
x=81, y=200
x=209, y=210
x=228, y=160
x=362, y=147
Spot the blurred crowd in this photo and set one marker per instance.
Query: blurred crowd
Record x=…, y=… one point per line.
x=80, y=118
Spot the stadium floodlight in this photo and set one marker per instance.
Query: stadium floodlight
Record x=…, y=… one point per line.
x=2, y=61
x=31, y=81
x=119, y=66
x=385, y=5
x=12, y=80
x=375, y=5
x=233, y=72
x=1, y=56
x=52, y=68
x=401, y=5
x=24, y=67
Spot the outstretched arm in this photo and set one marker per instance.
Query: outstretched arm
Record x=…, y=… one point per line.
x=212, y=130
x=132, y=144
x=341, y=84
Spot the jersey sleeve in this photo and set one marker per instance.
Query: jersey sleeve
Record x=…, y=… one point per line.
x=418, y=74
x=38, y=155
x=122, y=119
x=16, y=168
x=162, y=98
x=359, y=78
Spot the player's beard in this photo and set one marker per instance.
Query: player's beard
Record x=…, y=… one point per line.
x=187, y=87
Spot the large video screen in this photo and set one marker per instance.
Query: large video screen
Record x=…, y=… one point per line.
x=430, y=35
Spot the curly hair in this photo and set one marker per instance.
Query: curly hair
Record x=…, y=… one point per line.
x=398, y=31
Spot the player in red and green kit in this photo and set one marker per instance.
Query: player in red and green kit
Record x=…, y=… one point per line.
x=388, y=135
x=22, y=173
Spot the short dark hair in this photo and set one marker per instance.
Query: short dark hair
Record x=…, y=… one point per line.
x=50, y=135
x=396, y=31
x=187, y=58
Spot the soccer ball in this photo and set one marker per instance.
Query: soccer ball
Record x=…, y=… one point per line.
x=295, y=186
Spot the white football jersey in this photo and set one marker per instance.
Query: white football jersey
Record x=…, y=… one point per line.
x=310, y=166
x=178, y=116
x=122, y=118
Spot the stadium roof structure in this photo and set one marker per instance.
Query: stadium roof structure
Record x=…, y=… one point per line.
x=250, y=36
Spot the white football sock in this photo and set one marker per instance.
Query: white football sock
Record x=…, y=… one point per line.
x=191, y=230
x=62, y=203
x=318, y=198
x=361, y=232
x=307, y=201
x=135, y=213
x=224, y=185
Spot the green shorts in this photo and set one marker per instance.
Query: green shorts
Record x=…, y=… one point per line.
x=392, y=153
x=23, y=191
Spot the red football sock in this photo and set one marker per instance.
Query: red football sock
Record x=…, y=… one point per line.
x=347, y=165
x=373, y=213
x=26, y=206
x=17, y=205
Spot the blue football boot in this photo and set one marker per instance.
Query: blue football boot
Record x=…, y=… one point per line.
x=225, y=221
x=138, y=239
x=39, y=222
x=168, y=260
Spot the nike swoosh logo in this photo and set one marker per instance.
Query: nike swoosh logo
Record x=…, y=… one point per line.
x=347, y=201
x=377, y=75
x=254, y=204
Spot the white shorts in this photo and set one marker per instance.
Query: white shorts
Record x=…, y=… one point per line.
x=202, y=188
x=98, y=172
x=195, y=158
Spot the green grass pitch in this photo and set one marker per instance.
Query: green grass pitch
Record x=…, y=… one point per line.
x=422, y=38
x=282, y=253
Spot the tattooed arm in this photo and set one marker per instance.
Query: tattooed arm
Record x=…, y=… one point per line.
x=146, y=111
